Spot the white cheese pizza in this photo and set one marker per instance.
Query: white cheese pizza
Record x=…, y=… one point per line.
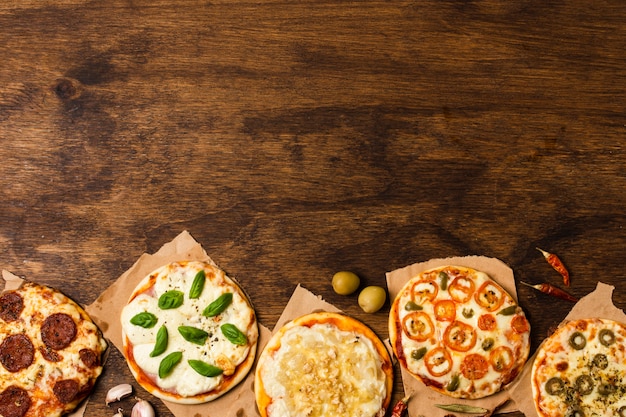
x=50, y=350
x=324, y=364
x=459, y=332
x=580, y=370
x=189, y=332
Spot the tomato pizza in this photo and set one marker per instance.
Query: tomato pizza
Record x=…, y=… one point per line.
x=580, y=370
x=50, y=352
x=189, y=332
x=324, y=364
x=459, y=332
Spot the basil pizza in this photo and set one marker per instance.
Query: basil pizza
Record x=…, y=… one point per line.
x=189, y=332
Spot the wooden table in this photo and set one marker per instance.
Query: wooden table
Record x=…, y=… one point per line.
x=294, y=139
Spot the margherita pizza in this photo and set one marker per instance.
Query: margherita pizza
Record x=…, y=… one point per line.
x=580, y=370
x=459, y=332
x=50, y=351
x=324, y=364
x=189, y=332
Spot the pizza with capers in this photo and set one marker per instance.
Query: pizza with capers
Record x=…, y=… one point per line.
x=189, y=332
x=459, y=332
x=324, y=364
x=51, y=352
x=580, y=370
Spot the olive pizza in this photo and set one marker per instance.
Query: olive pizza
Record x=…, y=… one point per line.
x=459, y=332
x=50, y=352
x=580, y=370
x=189, y=332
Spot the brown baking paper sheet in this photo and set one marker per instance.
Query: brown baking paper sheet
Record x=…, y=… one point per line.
x=106, y=311
x=423, y=399
x=13, y=282
x=597, y=304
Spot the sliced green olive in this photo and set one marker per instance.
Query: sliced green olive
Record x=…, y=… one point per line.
x=443, y=280
x=418, y=354
x=555, y=386
x=584, y=384
x=606, y=389
x=468, y=314
x=487, y=343
x=600, y=361
x=606, y=337
x=453, y=385
x=412, y=306
x=577, y=340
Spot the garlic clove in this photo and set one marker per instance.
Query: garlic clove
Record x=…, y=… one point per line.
x=118, y=392
x=142, y=409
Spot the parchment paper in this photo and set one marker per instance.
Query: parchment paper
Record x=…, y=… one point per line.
x=106, y=311
x=13, y=282
x=423, y=399
x=598, y=304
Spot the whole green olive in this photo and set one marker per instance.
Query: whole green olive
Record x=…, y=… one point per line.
x=372, y=298
x=345, y=282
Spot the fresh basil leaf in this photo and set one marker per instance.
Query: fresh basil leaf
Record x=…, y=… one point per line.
x=219, y=305
x=233, y=334
x=168, y=363
x=193, y=334
x=197, y=285
x=145, y=319
x=204, y=368
x=171, y=299
x=161, y=342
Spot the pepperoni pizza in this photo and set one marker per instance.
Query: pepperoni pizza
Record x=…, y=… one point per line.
x=50, y=352
x=459, y=332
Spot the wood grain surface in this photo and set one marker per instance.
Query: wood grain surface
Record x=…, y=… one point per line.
x=295, y=138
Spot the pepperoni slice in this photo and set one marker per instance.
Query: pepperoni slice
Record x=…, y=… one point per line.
x=66, y=390
x=14, y=402
x=418, y=326
x=445, y=310
x=89, y=358
x=487, y=322
x=474, y=366
x=490, y=296
x=459, y=336
x=438, y=361
x=49, y=354
x=519, y=324
x=16, y=352
x=58, y=331
x=11, y=306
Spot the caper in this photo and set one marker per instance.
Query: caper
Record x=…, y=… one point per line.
x=372, y=298
x=453, y=385
x=555, y=386
x=345, y=282
x=412, y=306
x=577, y=340
x=606, y=389
x=606, y=337
x=487, y=343
x=418, y=354
x=600, y=361
x=584, y=384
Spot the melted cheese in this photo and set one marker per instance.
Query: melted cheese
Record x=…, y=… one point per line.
x=216, y=351
x=323, y=371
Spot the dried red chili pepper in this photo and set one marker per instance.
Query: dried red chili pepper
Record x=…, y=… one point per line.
x=557, y=264
x=552, y=290
x=400, y=407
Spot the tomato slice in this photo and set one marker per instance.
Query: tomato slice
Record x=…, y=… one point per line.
x=519, y=324
x=461, y=289
x=445, y=310
x=418, y=326
x=490, y=296
x=459, y=336
x=424, y=290
x=474, y=366
x=438, y=361
x=487, y=322
x=501, y=358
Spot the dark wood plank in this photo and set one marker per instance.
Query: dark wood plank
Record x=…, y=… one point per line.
x=295, y=139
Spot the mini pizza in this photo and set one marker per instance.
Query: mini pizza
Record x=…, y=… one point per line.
x=580, y=370
x=50, y=351
x=189, y=332
x=324, y=364
x=459, y=332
